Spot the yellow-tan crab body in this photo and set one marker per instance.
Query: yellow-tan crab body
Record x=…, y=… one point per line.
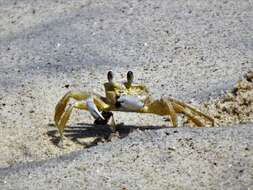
x=125, y=97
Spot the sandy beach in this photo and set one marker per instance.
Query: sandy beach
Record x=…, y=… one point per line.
x=199, y=52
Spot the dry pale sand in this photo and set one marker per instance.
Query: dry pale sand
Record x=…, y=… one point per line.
x=198, y=52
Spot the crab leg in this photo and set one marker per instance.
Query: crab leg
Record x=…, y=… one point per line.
x=113, y=124
x=66, y=115
x=180, y=107
x=194, y=119
x=172, y=113
x=206, y=117
x=79, y=96
x=88, y=105
x=60, y=107
x=172, y=107
x=85, y=101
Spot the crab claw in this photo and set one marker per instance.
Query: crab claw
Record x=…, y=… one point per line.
x=130, y=102
x=93, y=109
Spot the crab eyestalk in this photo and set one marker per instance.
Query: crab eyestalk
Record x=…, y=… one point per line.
x=130, y=79
x=110, y=76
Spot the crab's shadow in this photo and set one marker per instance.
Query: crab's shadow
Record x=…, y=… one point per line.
x=98, y=133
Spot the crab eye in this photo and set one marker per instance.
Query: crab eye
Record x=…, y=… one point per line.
x=110, y=76
x=130, y=76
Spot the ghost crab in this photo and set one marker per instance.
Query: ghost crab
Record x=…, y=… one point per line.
x=126, y=97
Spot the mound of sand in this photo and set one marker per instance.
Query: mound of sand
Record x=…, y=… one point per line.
x=237, y=104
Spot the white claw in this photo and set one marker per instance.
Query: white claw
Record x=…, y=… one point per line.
x=93, y=109
x=131, y=102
